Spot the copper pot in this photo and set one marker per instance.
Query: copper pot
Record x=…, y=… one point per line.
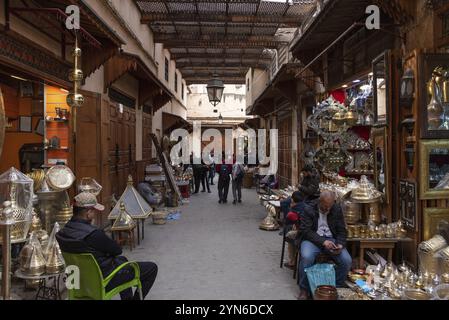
x=326, y=293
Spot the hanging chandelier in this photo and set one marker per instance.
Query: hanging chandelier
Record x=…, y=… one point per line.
x=215, y=89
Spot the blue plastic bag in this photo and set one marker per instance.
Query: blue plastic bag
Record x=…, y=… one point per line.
x=321, y=275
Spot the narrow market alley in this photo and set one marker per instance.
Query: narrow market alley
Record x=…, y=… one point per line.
x=216, y=251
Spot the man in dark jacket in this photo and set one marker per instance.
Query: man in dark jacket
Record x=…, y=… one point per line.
x=309, y=188
x=323, y=230
x=80, y=236
x=224, y=177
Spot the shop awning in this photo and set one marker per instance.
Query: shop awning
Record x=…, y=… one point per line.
x=98, y=41
x=149, y=85
x=333, y=20
x=171, y=122
x=336, y=17
x=283, y=85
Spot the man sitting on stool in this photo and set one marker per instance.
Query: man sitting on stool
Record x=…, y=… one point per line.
x=323, y=230
x=80, y=236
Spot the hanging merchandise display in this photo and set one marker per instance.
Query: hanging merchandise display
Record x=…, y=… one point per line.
x=16, y=193
x=74, y=98
x=53, y=255
x=32, y=260
x=330, y=120
x=331, y=157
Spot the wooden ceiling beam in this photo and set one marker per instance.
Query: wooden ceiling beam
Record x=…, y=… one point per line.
x=179, y=56
x=196, y=1
x=205, y=80
x=283, y=21
x=237, y=44
x=162, y=37
x=205, y=64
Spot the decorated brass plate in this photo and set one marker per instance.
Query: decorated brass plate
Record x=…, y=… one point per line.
x=60, y=177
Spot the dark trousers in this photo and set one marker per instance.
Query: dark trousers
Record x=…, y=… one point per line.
x=237, y=189
x=205, y=181
x=197, y=177
x=148, y=273
x=223, y=187
x=211, y=175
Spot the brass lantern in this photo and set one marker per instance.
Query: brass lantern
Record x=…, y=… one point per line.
x=407, y=88
x=74, y=98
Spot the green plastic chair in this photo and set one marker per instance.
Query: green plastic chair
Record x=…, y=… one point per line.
x=92, y=284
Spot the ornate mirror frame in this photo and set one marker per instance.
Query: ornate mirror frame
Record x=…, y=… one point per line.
x=379, y=136
x=385, y=57
x=432, y=216
x=424, y=149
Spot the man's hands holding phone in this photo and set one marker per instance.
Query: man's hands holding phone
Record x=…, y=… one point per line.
x=332, y=247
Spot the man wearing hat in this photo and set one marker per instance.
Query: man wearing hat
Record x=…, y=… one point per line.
x=80, y=236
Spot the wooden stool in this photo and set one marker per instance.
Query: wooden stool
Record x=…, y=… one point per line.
x=127, y=239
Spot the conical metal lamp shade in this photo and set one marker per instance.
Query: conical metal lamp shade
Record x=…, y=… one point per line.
x=124, y=221
x=136, y=206
x=55, y=261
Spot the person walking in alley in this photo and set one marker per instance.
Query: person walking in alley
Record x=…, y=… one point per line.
x=197, y=174
x=80, y=236
x=224, y=171
x=238, y=172
x=204, y=177
x=211, y=175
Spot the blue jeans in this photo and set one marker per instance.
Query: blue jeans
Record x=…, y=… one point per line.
x=309, y=252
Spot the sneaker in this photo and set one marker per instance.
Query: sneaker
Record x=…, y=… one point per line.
x=219, y=201
x=240, y=201
x=234, y=202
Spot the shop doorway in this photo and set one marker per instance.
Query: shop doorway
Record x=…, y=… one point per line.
x=24, y=132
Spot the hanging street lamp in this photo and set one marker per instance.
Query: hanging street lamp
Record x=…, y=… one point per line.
x=220, y=119
x=215, y=89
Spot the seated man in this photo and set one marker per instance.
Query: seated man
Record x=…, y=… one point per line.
x=309, y=188
x=323, y=230
x=80, y=236
x=291, y=227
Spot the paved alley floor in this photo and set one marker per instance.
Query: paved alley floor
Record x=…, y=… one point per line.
x=216, y=251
